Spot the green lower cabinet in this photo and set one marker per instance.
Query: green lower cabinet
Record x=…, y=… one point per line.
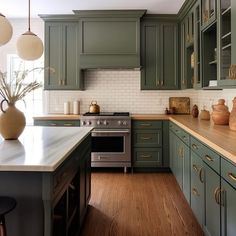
x=211, y=224
x=228, y=210
x=147, y=157
x=186, y=171
x=197, y=187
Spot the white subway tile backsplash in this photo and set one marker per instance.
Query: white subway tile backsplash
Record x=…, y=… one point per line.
x=119, y=90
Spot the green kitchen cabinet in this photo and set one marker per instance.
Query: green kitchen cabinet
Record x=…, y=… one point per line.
x=150, y=143
x=228, y=196
x=228, y=211
x=109, y=38
x=66, y=123
x=197, y=187
x=159, y=55
x=208, y=12
x=62, y=54
x=180, y=158
x=211, y=224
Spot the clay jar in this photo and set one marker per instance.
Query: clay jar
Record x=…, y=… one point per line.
x=204, y=115
x=232, y=117
x=220, y=114
x=195, y=111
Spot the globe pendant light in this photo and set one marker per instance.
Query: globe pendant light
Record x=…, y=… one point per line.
x=5, y=30
x=29, y=46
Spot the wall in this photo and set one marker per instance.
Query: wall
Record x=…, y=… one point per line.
x=113, y=90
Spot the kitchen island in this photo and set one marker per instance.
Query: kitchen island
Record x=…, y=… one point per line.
x=48, y=172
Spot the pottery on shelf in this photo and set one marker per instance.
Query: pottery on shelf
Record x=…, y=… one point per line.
x=232, y=117
x=220, y=114
x=195, y=111
x=12, y=122
x=204, y=114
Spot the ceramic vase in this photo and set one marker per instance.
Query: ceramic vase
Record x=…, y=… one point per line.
x=12, y=122
x=220, y=114
x=232, y=117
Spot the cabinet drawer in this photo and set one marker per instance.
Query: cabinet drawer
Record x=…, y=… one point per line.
x=208, y=155
x=183, y=135
x=145, y=124
x=228, y=172
x=147, y=138
x=147, y=157
x=66, y=123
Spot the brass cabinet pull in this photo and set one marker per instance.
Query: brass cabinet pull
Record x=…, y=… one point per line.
x=145, y=124
x=194, y=146
x=68, y=124
x=216, y=195
x=146, y=138
x=232, y=176
x=195, y=168
x=162, y=82
x=200, y=175
x=53, y=124
x=195, y=192
x=63, y=82
x=146, y=156
x=209, y=158
x=60, y=81
x=157, y=82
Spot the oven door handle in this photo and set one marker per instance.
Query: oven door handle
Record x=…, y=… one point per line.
x=125, y=131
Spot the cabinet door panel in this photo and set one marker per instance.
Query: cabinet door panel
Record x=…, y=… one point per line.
x=186, y=171
x=169, y=57
x=197, y=187
x=212, y=208
x=53, y=55
x=228, y=212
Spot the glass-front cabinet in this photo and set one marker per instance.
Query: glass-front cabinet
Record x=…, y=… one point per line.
x=226, y=70
x=208, y=12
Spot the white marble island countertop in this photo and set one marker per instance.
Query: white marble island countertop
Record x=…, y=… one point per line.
x=40, y=148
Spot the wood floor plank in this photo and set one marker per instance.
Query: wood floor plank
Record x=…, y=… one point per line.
x=138, y=204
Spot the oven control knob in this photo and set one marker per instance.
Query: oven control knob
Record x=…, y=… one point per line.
x=83, y=122
x=105, y=122
x=98, y=122
x=119, y=122
x=88, y=122
x=124, y=123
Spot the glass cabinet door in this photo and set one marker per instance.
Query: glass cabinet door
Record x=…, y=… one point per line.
x=225, y=38
x=208, y=11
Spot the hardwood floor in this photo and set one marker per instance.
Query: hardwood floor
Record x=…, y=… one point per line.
x=138, y=205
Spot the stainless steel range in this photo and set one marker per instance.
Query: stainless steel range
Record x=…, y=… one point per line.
x=111, y=139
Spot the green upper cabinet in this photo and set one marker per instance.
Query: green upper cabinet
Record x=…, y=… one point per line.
x=159, y=54
x=190, y=49
x=62, y=54
x=226, y=41
x=109, y=39
x=208, y=12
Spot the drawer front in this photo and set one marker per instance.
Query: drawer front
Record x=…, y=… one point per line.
x=183, y=135
x=228, y=172
x=66, y=123
x=147, y=138
x=208, y=155
x=147, y=157
x=144, y=124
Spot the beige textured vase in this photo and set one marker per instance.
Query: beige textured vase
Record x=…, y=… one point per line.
x=232, y=117
x=12, y=122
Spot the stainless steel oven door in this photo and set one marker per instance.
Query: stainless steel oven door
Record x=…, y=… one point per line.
x=111, y=145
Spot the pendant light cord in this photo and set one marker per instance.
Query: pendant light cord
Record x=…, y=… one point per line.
x=29, y=17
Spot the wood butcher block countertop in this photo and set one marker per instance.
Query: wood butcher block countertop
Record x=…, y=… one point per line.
x=218, y=137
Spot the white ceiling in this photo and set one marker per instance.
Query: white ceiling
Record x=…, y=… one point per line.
x=19, y=8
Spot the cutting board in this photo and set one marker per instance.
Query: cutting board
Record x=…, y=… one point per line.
x=180, y=104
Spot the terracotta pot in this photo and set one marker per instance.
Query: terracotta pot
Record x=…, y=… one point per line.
x=220, y=114
x=195, y=111
x=12, y=122
x=232, y=117
x=204, y=115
